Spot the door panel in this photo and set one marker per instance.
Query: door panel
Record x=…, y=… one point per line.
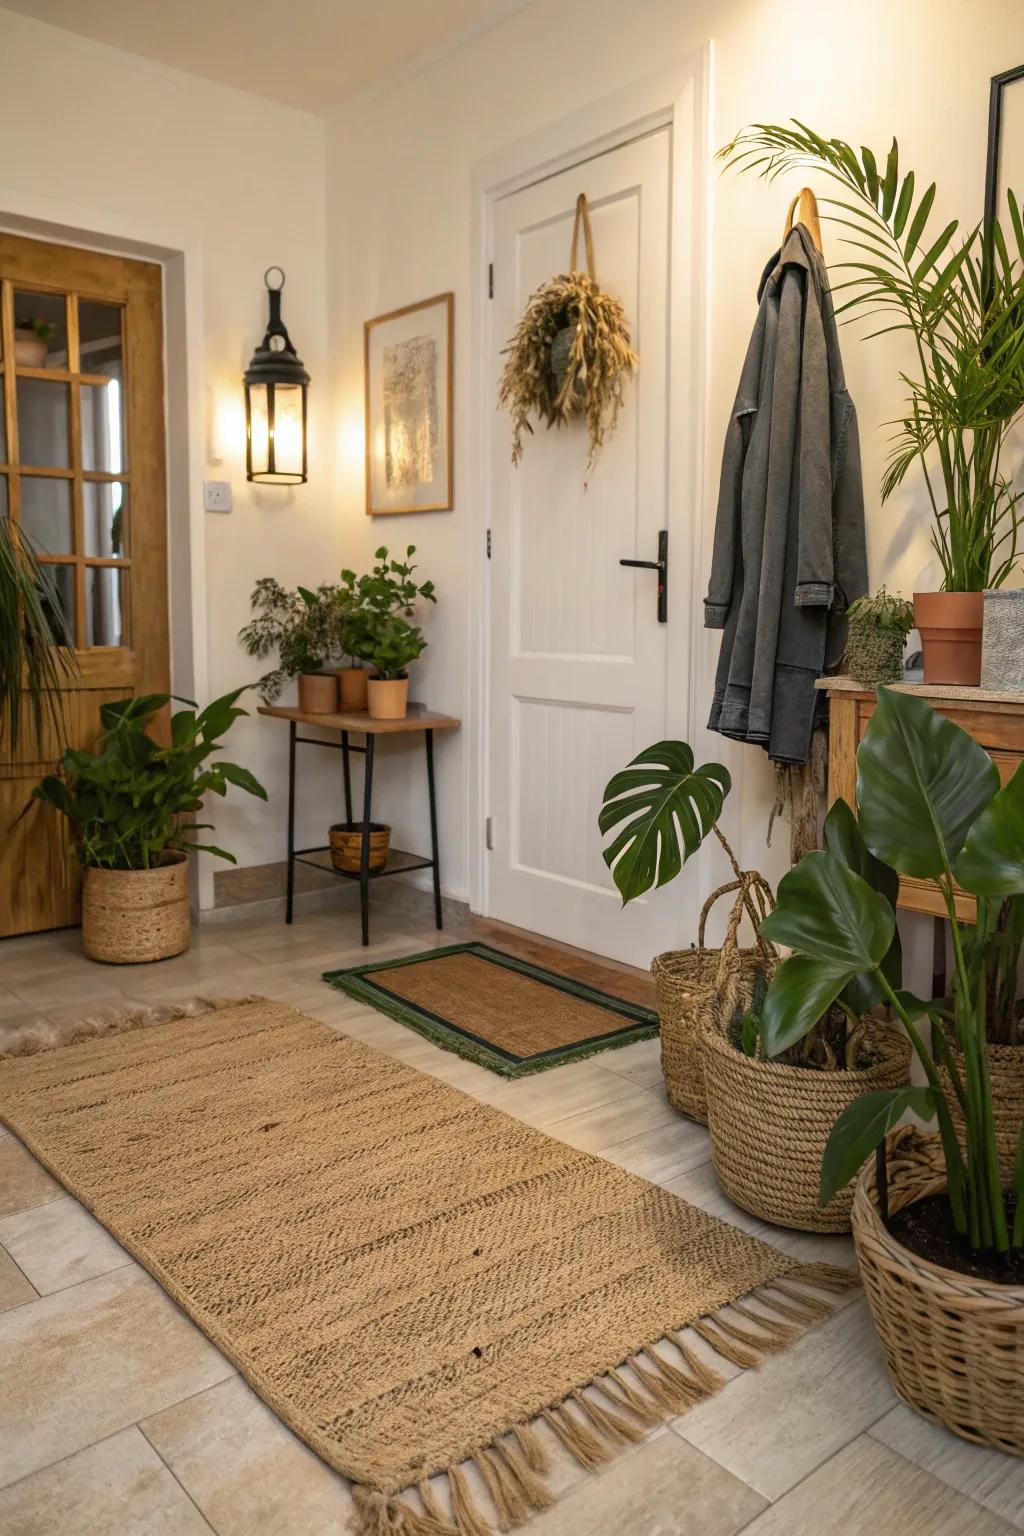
x=578, y=659
x=82, y=472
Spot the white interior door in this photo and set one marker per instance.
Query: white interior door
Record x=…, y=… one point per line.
x=577, y=655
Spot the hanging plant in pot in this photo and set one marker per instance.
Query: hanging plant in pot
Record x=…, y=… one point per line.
x=939, y=1227
x=570, y=355
x=302, y=626
x=961, y=303
x=661, y=808
x=129, y=804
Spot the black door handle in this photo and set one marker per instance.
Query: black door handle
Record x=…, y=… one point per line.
x=661, y=566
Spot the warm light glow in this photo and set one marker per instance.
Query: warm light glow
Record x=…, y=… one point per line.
x=228, y=440
x=275, y=423
x=288, y=429
x=259, y=429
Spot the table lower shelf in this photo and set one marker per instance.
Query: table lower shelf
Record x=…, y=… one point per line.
x=398, y=863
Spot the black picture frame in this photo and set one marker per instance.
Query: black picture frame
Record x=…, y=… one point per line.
x=997, y=86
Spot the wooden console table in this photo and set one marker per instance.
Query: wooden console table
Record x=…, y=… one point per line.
x=995, y=720
x=418, y=719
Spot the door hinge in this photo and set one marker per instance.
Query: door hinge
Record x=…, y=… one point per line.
x=488, y=543
x=490, y=279
x=489, y=835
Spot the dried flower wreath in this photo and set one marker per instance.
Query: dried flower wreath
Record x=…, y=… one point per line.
x=570, y=353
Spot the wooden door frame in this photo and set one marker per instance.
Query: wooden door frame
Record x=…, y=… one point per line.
x=676, y=97
x=174, y=242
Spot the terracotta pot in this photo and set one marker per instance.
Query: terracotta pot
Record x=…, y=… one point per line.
x=347, y=845
x=134, y=915
x=950, y=625
x=352, y=683
x=318, y=693
x=388, y=698
x=953, y=1343
x=29, y=349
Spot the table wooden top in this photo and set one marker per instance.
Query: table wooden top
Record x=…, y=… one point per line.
x=419, y=718
x=961, y=694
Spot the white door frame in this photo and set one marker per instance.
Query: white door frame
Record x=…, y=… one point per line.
x=677, y=96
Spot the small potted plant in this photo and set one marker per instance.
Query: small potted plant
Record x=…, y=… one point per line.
x=389, y=645
x=32, y=337
x=374, y=627
x=878, y=630
x=302, y=626
x=938, y=1223
x=129, y=804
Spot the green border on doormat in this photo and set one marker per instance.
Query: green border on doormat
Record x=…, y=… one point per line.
x=357, y=981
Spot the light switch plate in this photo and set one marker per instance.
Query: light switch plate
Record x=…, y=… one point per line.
x=216, y=496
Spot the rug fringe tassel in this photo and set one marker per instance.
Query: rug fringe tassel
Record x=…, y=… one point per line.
x=617, y=1409
x=30, y=1039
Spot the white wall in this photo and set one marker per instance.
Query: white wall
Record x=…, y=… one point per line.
x=399, y=228
x=84, y=126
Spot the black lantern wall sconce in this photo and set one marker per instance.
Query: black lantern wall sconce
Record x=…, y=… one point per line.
x=276, y=385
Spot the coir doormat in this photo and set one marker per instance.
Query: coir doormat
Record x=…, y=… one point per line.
x=496, y=1009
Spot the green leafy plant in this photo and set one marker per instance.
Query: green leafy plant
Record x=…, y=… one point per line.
x=883, y=611
x=960, y=297
x=661, y=809
x=930, y=807
x=373, y=612
x=302, y=626
x=36, y=662
x=391, y=643
x=44, y=330
x=129, y=801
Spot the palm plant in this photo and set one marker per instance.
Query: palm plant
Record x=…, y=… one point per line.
x=961, y=298
x=930, y=807
x=35, y=660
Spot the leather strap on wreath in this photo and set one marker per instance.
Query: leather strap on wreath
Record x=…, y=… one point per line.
x=582, y=219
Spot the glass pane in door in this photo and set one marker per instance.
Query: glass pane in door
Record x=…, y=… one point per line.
x=59, y=600
x=41, y=329
x=43, y=423
x=105, y=509
x=46, y=514
x=99, y=338
x=106, y=602
x=102, y=431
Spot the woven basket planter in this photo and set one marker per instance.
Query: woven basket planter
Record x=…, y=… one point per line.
x=1006, y=1074
x=873, y=654
x=347, y=845
x=953, y=1344
x=701, y=987
x=130, y=916
x=769, y=1124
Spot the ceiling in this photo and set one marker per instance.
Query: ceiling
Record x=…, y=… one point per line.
x=313, y=54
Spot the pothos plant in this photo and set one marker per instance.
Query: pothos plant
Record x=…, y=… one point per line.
x=930, y=807
x=959, y=298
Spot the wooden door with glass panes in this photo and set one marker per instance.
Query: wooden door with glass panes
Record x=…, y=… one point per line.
x=82, y=473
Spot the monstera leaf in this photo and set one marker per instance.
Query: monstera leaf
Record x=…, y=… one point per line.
x=661, y=808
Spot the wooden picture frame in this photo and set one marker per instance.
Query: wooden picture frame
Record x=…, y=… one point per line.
x=408, y=371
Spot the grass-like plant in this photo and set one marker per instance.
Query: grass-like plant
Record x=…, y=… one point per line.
x=930, y=807
x=131, y=800
x=36, y=662
x=959, y=295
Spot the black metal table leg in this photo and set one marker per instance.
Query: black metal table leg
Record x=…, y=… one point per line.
x=346, y=776
x=364, y=857
x=291, y=821
x=428, y=737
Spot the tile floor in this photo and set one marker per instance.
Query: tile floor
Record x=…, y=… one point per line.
x=117, y=1418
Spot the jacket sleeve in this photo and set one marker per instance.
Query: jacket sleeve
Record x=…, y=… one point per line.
x=815, y=577
x=726, y=551
x=851, y=557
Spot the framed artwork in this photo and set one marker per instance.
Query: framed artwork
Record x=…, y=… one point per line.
x=410, y=435
x=1004, y=166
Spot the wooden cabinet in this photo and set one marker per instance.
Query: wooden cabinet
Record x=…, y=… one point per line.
x=995, y=720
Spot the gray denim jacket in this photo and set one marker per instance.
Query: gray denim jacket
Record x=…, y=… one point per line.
x=789, y=553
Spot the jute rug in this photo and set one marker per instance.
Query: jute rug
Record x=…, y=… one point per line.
x=497, y=1009
x=409, y=1278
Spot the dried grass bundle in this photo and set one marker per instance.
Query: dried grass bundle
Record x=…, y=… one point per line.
x=588, y=379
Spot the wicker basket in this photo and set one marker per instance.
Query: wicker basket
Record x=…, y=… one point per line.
x=770, y=1122
x=130, y=916
x=347, y=845
x=1006, y=1074
x=953, y=1344
x=695, y=987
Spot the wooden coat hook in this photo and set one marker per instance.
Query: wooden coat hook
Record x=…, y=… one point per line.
x=807, y=215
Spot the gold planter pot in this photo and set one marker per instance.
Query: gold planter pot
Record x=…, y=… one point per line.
x=388, y=698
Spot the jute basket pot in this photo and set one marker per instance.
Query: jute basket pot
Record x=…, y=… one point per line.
x=347, y=845
x=953, y=1344
x=134, y=915
x=769, y=1124
x=1006, y=1074
x=695, y=987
